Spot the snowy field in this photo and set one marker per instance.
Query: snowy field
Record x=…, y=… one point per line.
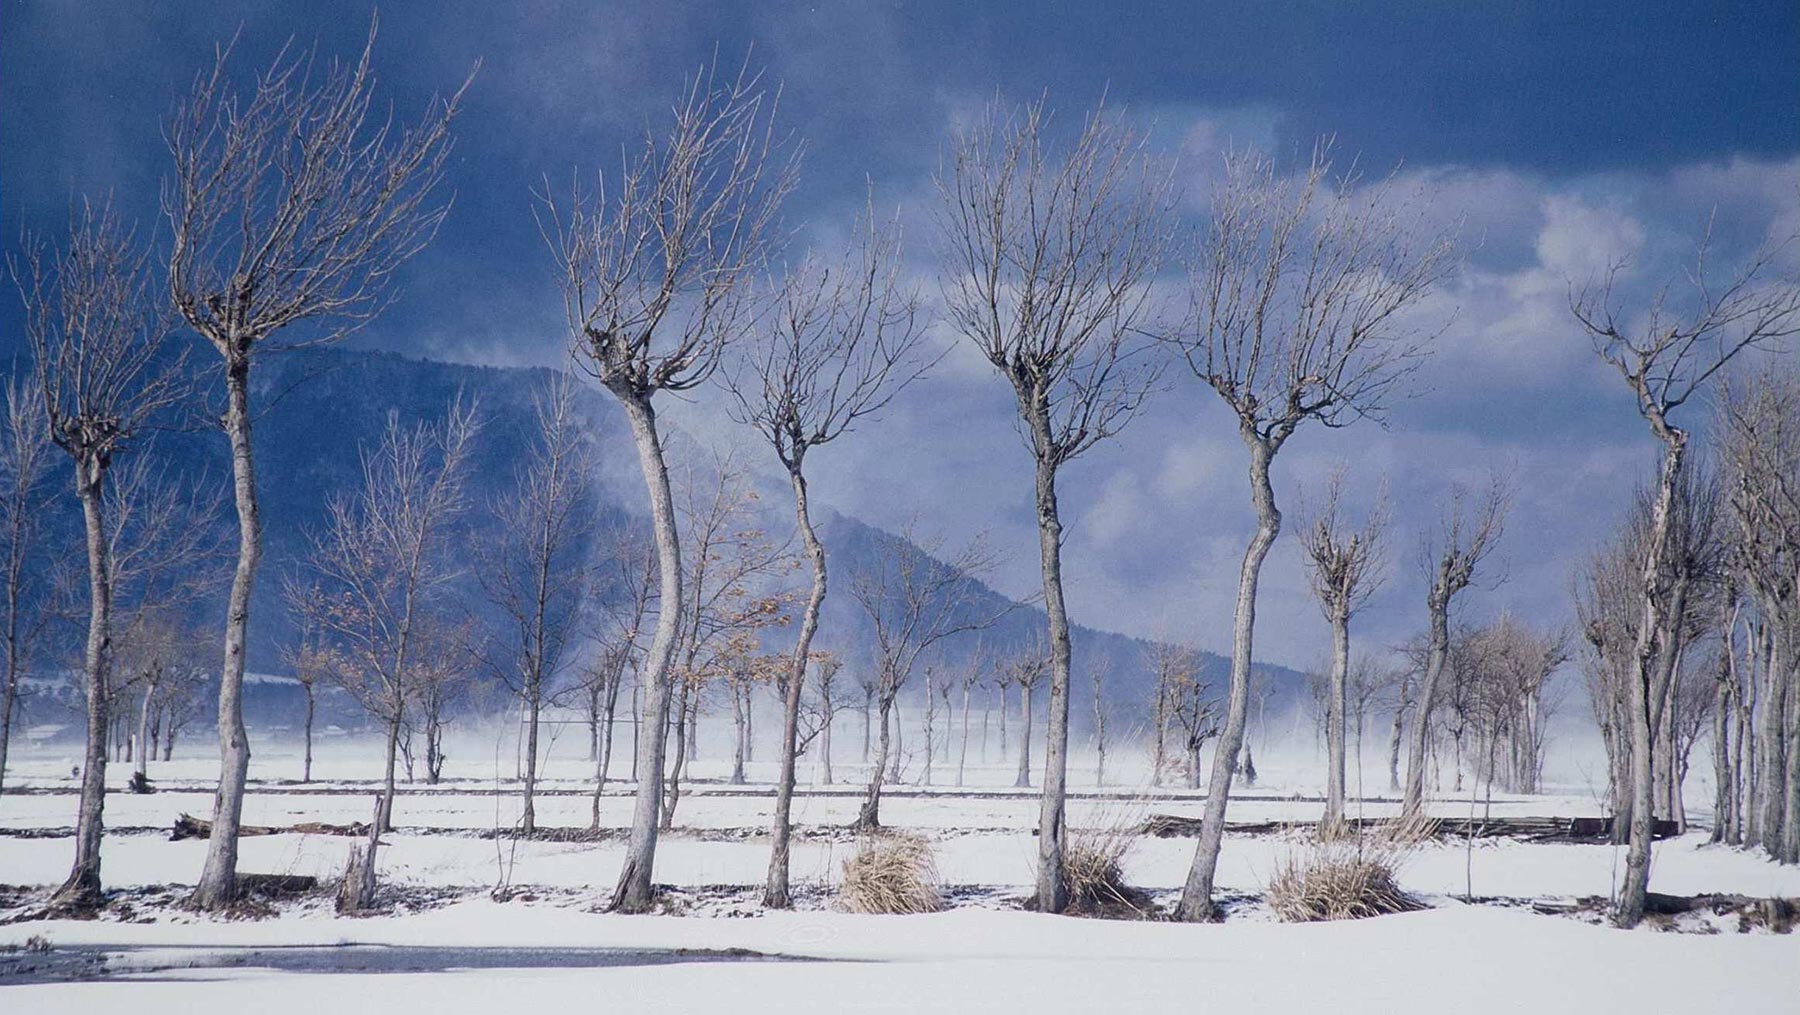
x=447, y=945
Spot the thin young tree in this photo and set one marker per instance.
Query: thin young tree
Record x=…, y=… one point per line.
x=916, y=597
x=973, y=669
x=1451, y=558
x=1666, y=351
x=536, y=566
x=843, y=339
x=1301, y=290
x=732, y=589
x=383, y=558
x=310, y=658
x=25, y=451
x=1102, y=719
x=1346, y=567
x=826, y=666
x=97, y=345
x=655, y=269
x=626, y=588
x=1027, y=672
x=1049, y=251
x=292, y=207
x=163, y=545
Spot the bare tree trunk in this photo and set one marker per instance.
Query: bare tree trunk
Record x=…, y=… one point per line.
x=1052, y=892
x=533, y=696
x=1000, y=699
x=634, y=893
x=1790, y=829
x=1395, y=735
x=867, y=709
x=217, y=888
x=144, y=748
x=1437, y=653
x=775, y=894
x=870, y=814
x=683, y=744
x=930, y=724
x=1334, y=721
x=1636, y=885
x=1023, y=780
x=825, y=733
x=306, y=763
x=82, y=889
x=740, y=726
x=897, y=755
x=386, y=813
x=1196, y=896
x=962, y=760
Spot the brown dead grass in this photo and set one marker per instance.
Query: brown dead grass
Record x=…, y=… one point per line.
x=891, y=873
x=1348, y=876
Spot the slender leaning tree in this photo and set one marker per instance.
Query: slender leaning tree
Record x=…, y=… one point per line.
x=843, y=340
x=655, y=267
x=97, y=344
x=1666, y=353
x=1450, y=559
x=291, y=208
x=1300, y=289
x=1049, y=251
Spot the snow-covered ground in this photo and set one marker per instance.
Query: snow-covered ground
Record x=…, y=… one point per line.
x=455, y=949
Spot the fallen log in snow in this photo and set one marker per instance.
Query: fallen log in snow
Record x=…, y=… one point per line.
x=1534, y=829
x=189, y=827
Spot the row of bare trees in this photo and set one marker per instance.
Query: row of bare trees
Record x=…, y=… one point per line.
x=1669, y=347
x=291, y=209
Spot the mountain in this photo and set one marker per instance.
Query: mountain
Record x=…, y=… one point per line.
x=319, y=408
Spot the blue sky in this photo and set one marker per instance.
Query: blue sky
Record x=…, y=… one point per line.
x=1561, y=139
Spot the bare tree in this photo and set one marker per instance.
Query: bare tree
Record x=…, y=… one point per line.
x=164, y=545
x=438, y=674
x=1346, y=567
x=535, y=569
x=291, y=209
x=915, y=599
x=733, y=592
x=1102, y=716
x=1666, y=353
x=1301, y=289
x=1193, y=708
x=826, y=666
x=25, y=451
x=627, y=589
x=97, y=346
x=1026, y=672
x=842, y=341
x=1168, y=664
x=311, y=660
x=1048, y=257
x=383, y=562
x=1760, y=448
x=972, y=672
x=654, y=273
x=1465, y=537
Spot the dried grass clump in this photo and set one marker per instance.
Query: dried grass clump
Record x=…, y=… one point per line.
x=1348, y=877
x=1094, y=861
x=1093, y=867
x=893, y=873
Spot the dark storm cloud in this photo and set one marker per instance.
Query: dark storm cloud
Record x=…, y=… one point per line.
x=1559, y=139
